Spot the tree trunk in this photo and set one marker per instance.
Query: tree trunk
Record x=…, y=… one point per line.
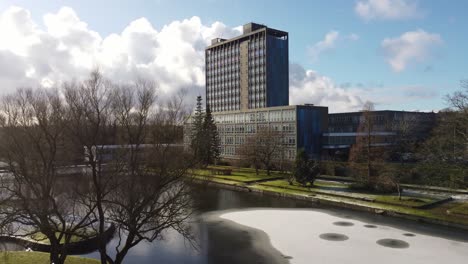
x=121, y=254
x=399, y=192
x=54, y=256
x=101, y=230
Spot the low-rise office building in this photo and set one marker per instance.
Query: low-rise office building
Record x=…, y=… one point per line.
x=299, y=126
x=385, y=128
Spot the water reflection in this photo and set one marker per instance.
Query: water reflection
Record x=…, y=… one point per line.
x=220, y=241
x=217, y=242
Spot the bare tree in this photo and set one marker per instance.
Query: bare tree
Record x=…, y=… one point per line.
x=444, y=155
x=362, y=151
x=135, y=177
x=33, y=145
x=458, y=102
x=369, y=150
x=263, y=148
x=139, y=175
x=153, y=193
x=90, y=127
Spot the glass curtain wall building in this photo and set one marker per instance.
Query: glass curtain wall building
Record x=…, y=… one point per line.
x=249, y=71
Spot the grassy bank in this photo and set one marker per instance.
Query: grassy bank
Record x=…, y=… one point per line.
x=22, y=257
x=339, y=193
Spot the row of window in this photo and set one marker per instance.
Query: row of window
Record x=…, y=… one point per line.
x=256, y=104
x=223, y=91
x=223, y=71
x=224, y=107
x=255, y=75
x=353, y=128
x=223, y=80
x=221, y=53
x=257, y=43
x=350, y=140
x=232, y=151
x=248, y=128
x=261, y=116
x=230, y=140
x=256, y=53
x=356, y=118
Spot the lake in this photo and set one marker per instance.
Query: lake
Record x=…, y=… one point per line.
x=235, y=227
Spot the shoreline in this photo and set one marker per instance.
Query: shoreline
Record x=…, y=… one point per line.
x=296, y=232
x=259, y=239
x=335, y=203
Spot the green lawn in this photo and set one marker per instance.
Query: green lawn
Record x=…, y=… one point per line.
x=22, y=257
x=341, y=193
x=460, y=208
x=318, y=189
x=328, y=184
x=405, y=200
x=438, y=213
x=237, y=174
x=328, y=188
x=217, y=180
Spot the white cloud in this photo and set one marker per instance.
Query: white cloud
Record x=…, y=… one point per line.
x=307, y=86
x=329, y=42
x=352, y=37
x=409, y=47
x=388, y=9
x=65, y=48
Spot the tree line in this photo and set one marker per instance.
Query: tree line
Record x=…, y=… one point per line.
x=440, y=158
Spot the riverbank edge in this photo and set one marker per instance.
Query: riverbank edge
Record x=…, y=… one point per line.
x=261, y=241
x=11, y=257
x=75, y=248
x=341, y=204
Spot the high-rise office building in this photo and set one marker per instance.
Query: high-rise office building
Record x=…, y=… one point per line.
x=249, y=71
x=247, y=89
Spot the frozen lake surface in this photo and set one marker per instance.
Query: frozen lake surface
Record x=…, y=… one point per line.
x=314, y=236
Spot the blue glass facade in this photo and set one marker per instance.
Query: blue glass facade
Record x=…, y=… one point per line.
x=311, y=123
x=277, y=70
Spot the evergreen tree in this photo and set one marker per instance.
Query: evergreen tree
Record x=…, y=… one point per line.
x=197, y=136
x=305, y=170
x=205, y=139
x=210, y=131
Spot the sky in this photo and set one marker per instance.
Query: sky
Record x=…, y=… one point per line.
x=398, y=54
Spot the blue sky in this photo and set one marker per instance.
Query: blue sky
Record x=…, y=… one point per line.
x=367, y=53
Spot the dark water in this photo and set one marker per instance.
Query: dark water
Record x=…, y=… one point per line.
x=220, y=241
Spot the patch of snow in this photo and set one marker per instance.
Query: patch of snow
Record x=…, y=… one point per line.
x=296, y=233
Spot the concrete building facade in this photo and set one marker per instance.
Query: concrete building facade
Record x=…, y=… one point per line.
x=249, y=71
x=298, y=126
